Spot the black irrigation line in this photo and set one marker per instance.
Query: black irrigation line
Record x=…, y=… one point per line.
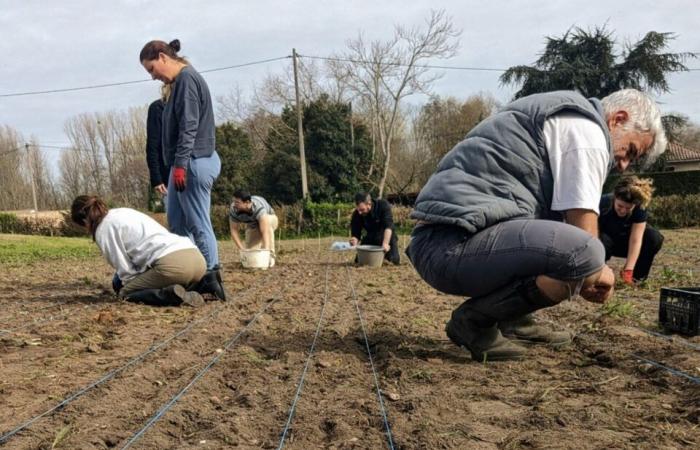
x=671, y=339
x=227, y=345
x=390, y=440
x=111, y=374
x=676, y=372
x=671, y=370
x=292, y=408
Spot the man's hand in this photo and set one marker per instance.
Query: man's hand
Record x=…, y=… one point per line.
x=161, y=189
x=386, y=247
x=353, y=241
x=626, y=275
x=180, y=178
x=602, y=290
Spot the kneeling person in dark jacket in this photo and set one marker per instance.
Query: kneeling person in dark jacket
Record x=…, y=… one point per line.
x=374, y=215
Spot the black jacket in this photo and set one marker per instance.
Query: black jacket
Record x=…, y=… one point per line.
x=375, y=222
x=157, y=169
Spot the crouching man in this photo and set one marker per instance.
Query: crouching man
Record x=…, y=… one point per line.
x=375, y=217
x=489, y=218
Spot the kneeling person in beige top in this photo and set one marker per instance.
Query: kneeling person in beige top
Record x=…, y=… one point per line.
x=259, y=220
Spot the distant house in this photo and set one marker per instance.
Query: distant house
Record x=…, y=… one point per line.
x=681, y=159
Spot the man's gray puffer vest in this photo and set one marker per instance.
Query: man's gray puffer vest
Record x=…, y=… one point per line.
x=500, y=171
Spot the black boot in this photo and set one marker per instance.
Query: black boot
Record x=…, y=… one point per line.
x=211, y=284
x=474, y=324
x=174, y=295
x=480, y=336
x=524, y=328
x=527, y=330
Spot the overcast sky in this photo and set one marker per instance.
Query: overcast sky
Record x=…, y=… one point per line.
x=63, y=44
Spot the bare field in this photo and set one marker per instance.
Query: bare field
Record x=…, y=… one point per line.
x=116, y=367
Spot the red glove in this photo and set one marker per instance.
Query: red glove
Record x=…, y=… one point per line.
x=626, y=276
x=180, y=178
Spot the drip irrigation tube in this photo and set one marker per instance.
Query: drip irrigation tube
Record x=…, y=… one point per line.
x=165, y=408
x=387, y=427
x=111, y=374
x=293, y=406
x=671, y=370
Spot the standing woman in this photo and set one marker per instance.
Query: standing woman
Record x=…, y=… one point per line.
x=624, y=230
x=189, y=151
x=152, y=265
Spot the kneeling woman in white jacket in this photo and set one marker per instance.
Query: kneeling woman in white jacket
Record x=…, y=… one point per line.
x=155, y=266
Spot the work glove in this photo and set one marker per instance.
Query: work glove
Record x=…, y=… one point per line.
x=180, y=178
x=117, y=284
x=626, y=276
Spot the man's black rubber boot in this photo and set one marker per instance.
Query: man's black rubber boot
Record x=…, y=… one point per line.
x=174, y=295
x=474, y=324
x=525, y=328
x=484, y=343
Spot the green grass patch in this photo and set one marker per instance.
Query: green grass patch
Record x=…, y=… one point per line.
x=618, y=308
x=22, y=249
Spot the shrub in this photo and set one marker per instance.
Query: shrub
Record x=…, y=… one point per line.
x=8, y=223
x=675, y=211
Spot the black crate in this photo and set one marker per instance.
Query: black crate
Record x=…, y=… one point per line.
x=679, y=310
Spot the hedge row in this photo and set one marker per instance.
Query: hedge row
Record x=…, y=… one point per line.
x=312, y=219
x=10, y=223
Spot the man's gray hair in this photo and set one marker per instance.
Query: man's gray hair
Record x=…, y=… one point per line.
x=644, y=116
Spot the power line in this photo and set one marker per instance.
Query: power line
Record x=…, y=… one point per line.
x=124, y=83
x=422, y=66
x=399, y=64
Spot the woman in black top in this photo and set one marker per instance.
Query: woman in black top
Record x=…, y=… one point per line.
x=157, y=169
x=623, y=227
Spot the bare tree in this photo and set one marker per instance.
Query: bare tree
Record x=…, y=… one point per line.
x=71, y=176
x=82, y=131
x=107, y=156
x=382, y=74
x=16, y=191
x=37, y=168
x=442, y=122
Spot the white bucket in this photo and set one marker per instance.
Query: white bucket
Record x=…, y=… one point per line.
x=255, y=259
x=370, y=255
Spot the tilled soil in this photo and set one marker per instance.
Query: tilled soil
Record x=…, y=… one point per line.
x=226, y=375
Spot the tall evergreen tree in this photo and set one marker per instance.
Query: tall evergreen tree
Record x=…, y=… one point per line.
x=332, y=161
x=235, y=151
x=586, y=61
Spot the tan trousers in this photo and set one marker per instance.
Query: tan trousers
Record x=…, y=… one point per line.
x=253, y=236
x=184, y=267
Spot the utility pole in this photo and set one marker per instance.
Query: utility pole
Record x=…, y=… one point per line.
x=302, y=153
x=352, y=130
x=31, y=175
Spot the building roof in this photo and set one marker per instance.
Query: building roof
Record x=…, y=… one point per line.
x=676, y=152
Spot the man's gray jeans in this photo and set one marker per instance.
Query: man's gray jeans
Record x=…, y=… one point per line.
x=454, y=262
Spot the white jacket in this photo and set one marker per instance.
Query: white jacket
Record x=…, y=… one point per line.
x=131, y=241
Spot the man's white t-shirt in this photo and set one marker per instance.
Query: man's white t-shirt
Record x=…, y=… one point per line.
x=579, y=159
x=131, y=241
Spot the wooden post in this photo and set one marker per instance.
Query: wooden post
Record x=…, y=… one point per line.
x=300, y=129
